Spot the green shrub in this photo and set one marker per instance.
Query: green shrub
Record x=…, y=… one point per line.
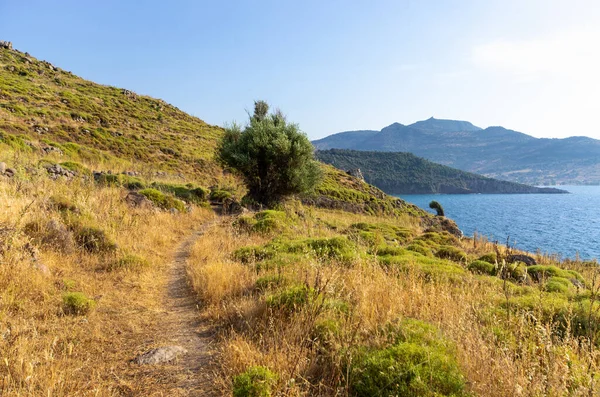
x=162, y=200
x=107, y=179
x=339, y=248
x=540, y=272
x=245, y=223
x=62, y=203
x=269, y=221
x=420, y=363
x=220, y=196
x=252, y=254
x=132, y=182
x=452, y=253
x=94, y=240
x=415, y=247
x=291, y=298
x=189, y=193
x=77, y=167
x=482, y=267
x=273, y=156
x=393, y=251
x=77, y=303
x=269, y=282
x=516, y=271
x=128, y=262
x=326, y=330
x=256, y=381
x=434, y=205
x=558, y=284
x=489, y=258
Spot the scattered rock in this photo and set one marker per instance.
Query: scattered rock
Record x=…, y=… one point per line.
x=526, y=259
x=52, y=149
x=6, y=44
x=129, y=94
x=39, y=129
x=357, y=173
x=138, y=200
x=57, y=171
x=131, y=173
x=2, y=168
x=10, y=172
x=160, y=355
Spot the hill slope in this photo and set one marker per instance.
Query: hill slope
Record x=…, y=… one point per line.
x=495, y=151
x=405, y=173
x=48, y=109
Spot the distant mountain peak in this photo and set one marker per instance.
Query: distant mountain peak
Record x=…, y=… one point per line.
x=441, y=125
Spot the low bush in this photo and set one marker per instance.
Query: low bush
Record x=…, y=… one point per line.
x=252, y=254
x=541, y=272
x=77, y=303
x=482, y=267
x=558, y=284
x=256, y=381
x=452, y=253
x=62, y=203
x=291, y=298
x=128, y=262
x=76, y=167
x=189, y=193
x=489, y=258
x=94, y=240
x=269, y=282
x=220, y=196
x=269, y=221
x=162, y=200
x=420, y=363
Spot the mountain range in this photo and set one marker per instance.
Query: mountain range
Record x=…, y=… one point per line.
x=494, y=151
x=405, y=173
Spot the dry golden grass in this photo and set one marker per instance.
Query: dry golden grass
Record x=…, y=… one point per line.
x=45, y=351
x=516, y=356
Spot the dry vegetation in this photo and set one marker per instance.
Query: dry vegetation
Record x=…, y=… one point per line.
x=320, y=305
x=81, y=281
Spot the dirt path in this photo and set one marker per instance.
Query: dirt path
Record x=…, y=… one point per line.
x=182, y=326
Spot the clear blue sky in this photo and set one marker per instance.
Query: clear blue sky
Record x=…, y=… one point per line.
x=529, y=65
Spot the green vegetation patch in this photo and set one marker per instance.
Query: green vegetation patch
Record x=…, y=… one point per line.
x=432, y=268
x=162, y=200
x=94, y=240
x=256, y=381
x=77, y=303
x=452, y=253
x=292, y=298
x=128, y=262
x=420, y=363
x=541, y=272
x=482, y=267
x=189, y=192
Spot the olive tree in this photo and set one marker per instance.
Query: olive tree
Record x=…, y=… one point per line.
x=274, y=157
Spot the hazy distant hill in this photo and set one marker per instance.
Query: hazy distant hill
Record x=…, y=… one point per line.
x=494, y=151
x=405, y=173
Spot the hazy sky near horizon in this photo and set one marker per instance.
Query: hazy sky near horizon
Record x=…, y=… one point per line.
x=331, y=66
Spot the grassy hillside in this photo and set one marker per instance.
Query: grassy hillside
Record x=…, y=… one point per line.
x=49, y=110
x=405, y=173
x=341, y=291
x=324, y=302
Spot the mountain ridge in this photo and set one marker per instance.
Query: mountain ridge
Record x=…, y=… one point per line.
x=495, y=151
x=405, y=173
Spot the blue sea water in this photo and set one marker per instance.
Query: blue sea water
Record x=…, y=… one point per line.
x=564, y=224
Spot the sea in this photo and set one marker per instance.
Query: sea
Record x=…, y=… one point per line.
x=566, y=225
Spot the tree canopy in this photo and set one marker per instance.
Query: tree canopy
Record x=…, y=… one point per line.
x=274, y=157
